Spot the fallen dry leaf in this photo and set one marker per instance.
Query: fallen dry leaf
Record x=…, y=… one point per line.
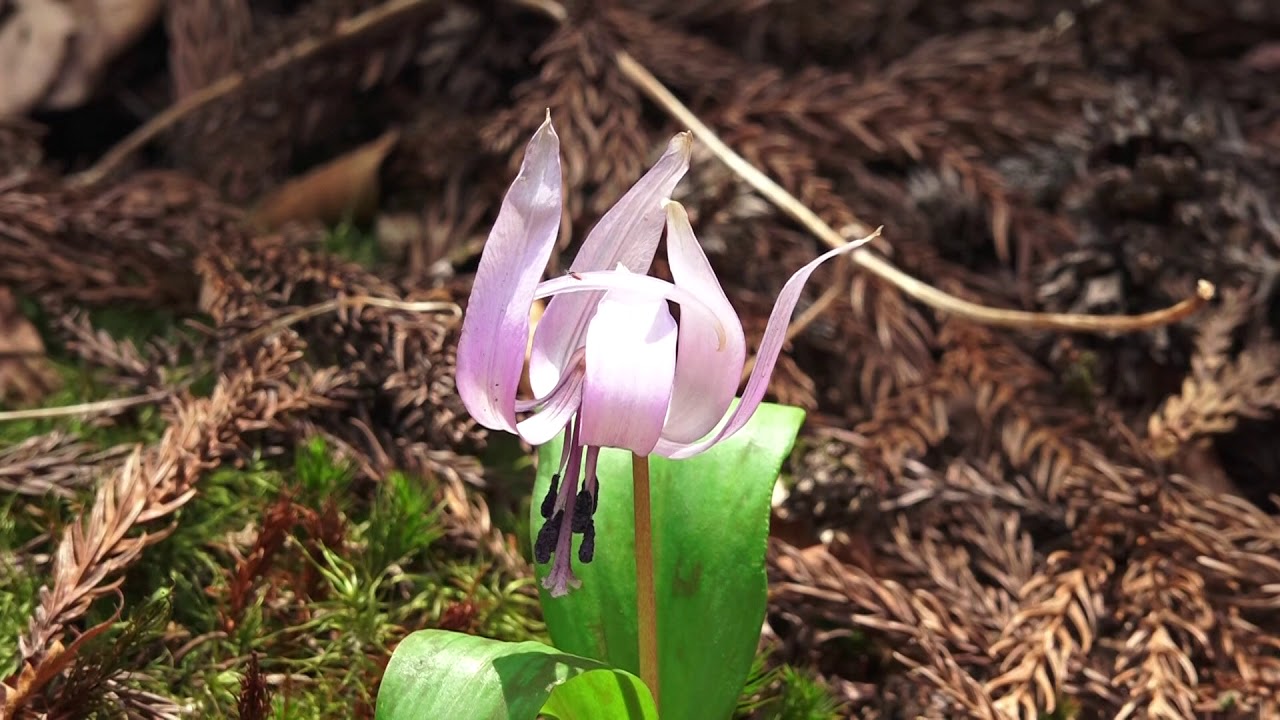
x=53, y=54
x=25, y=373
x=1263, y=58
x=34, y=39
x=104, y=29
x=343, y=187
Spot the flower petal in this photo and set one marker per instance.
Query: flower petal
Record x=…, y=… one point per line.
x=628, y=234
x=495, y=329
x=708, y=364
x=534, y=403
x=644, y=285
x=631, y=360
x=542, y=426
x=770, y=347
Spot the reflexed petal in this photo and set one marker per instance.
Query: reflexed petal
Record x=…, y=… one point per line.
x=770, y=346
x=645, y=286
x=631, y=360
x=534, y=403
x=708, y=364
x=495, y=329
x=628, y=234
x=556, y=411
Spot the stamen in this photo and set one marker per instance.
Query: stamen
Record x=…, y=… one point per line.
x=585, y=505
x=560, y=579
x=587, y=550
x=547, y=537
x=549, y=502
x=582, y=509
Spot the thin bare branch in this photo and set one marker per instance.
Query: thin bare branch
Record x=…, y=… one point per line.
x=916, y=289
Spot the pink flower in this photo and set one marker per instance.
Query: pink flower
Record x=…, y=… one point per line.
x=609, y=362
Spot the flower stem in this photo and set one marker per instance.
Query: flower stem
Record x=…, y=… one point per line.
x=646, y=594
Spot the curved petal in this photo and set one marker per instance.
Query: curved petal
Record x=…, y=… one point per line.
x=495, y=329
x=628, y=234
x=631, y=360
x=534, y=403
x=770, y=347
x=708, y=366
x=645, y=286
x=542, y=426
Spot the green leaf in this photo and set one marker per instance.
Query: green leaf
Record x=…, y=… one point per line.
x=711, y=527
x=440, y=674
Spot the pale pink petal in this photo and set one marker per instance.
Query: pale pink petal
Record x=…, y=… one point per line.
x=646, y=286
x=770, y=346
x=708, y=365
x=631, y=359
x=628, y=234
x=495, y=330
x=544, y=425
x=534, y=403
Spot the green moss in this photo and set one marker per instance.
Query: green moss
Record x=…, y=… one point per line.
x=804, y=698
x=785, y=693
x=1066, y=709
x=359, y=564
x=324, y=616
x=19, y=588
x=349, y=241
x=189, y=561
x=319, y=474
x=403, y=522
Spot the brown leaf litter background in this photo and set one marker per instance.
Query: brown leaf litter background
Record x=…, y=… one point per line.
x=983, y=522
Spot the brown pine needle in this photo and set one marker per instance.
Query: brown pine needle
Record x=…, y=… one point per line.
x=865, y=258
x=656, y=91
x=878, y=266
x=113, y=405
x=328, y=306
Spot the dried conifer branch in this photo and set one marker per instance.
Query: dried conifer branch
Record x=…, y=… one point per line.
x=1057, y=622
x=56, y=464
x=149, y=487
x=946, y=674
x=1220, y=390
x=357, y=302
x=880, y=267
x=845, y=595
x=131, y=367
x=115, y=405
x=916, y=289
x=599, y=111
x=129, y=241
x=1155, y=663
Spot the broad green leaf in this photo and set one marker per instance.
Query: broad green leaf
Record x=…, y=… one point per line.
x=437, y=674
x=711, y=527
